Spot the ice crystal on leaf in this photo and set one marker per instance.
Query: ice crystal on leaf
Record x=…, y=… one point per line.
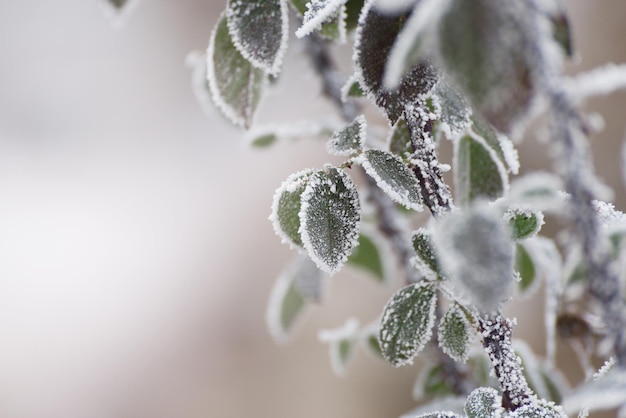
x=259, y=30
x=484, y=403
x=452, y=405
x=236, y=86
x=523, y=223
x=476, y=253
x=317, y=13
x=286, y=206
x=373, y=255
x=329, y=218
x=538, y=409
x=455, y=110
x=400, y=139
x=350, y=139
x=407, y=322
x=393, y=177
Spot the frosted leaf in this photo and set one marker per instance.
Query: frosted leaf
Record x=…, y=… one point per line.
x=265, y=135
x=478, y=171
x=317, y=13
x=199, y=83
x=260, y=30
x=373, y=255
x=537, y=191
x=523, y=223
x=455, y=110
x=400, y=139
x=484, y=403
x=538, y=409
x=432, y=382
x=440, y=414
x=425, y=259
x=485, y=51
x=329, y=218
x=369, y=339
x=500, y=144
x=407, y=322
x=336, y=28
x=608, y=216
x=532, y=369
x=393, y=177
x=375, y=37
x=414, y=39
x=341, y=344
x=451, y=404
x=352, y=89
x=476, y=254
x=525, y=266
x=236, y=86
x=287, y=304
x=597, y=82
x=350, y=139
x=454, y=334
x=604, y=369
x=607, y=392
x=286, y=207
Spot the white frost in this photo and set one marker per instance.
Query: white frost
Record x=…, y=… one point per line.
x=317, y=13
x=599, y=81
x=350, y=139
x=393, y=6
x=341, y=344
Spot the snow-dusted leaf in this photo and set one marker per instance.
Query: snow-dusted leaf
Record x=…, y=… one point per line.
x=329, y=218
x=415, y=40
x=335, y=28
x=262, y=136
x=537, y=191
x=286, y=207
x=607, y=392
x=476, y=252
x=393, y=177
x=439, y=414
x=407, y=322
x=450, y=404
x=369, y=339
x=394, y=6
x=562, y=32
x=199, y=82
x=454, y=334
x=352, y=89
x=259, y=29
x=350, y=139
x=484, y=403
x=425, y=259
x=432, y=382
x=373, y=255
x=538, y=409
x=478, y=172
x=376, y=35
x=288, y=303
x=341, y=344
x=484, y=50
x=500, y=144
x=236, y=86
x=400, y=139
x=523, y=223
x=454, y=109
x=525, y=266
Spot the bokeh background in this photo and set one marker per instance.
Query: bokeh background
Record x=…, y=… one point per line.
x=136, y=258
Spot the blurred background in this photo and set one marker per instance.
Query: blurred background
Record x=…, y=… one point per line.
x=136, y=258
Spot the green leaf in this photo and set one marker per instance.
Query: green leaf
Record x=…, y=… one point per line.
x=523, y=223
x=440, y=414
x=501, y=145
x=236, y=86
x=286, y=206
x=400, y=139
x=393, y=177
x=349, y=140
x=538, y=409
x=432, y=382
x=288, y=304
x=485, y=51
x=368, y=256
x=454, y=334
x=562, y=32
x=484, y=403
x=369, y=339
x=299, y=6
x=259, y=29
x=525, y=265
x=328, y=17
x=477, y=174
x=329, y=218
x=407, y=323
x=454, y=109
x=352, y=89
x=375, y=38
x=264, y=141
x=341, y=344
x=426, y=258
x=353, y=8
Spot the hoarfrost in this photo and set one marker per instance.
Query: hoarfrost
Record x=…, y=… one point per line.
x=484, y=402
x=537, y=191
x=348, y=89
x=538, y=409
x=317, y=13
x=608, y=216
x=394, y=6
x=599, y=81
x=260, y=31
x=476, y=253
x=456, y=112
x=291, y=131
x=607, y=392
x=604, y=369
x=329, y=218
x=286, y=206
x=350, y=139
x=197, y=61
x=393, y=177
x=454, y=334
x=407, y=322
x=454, y=405
x=341, y=344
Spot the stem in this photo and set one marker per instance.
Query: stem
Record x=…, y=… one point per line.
x=496, y=332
